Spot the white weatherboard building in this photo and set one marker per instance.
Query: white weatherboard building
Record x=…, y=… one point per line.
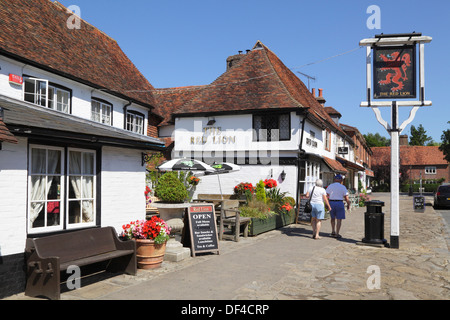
x=258, y=115
x=72, y=132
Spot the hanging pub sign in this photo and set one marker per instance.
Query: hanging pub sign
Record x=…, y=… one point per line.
x=394, y=72
x=342, y=150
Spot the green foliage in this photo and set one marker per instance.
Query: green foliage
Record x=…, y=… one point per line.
x=376, y=140
x=170, y=189
x=261, y=191
x=256, y=209
x=276, y=198
x=419, y=136
x=445, y=146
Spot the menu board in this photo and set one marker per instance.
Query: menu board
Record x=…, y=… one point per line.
x=301, y=214
x=203, y=229
x=419, y=203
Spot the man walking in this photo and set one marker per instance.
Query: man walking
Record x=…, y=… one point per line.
x=337, y=192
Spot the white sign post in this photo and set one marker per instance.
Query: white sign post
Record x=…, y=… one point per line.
x=395, y=62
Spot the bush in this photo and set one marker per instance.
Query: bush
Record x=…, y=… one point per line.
x=428, y=187
x=256, y=209
x=261, y=191
x=170, y=189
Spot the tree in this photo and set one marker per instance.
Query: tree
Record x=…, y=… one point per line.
x=376, y=140
x=445, y=146
x=419, y=136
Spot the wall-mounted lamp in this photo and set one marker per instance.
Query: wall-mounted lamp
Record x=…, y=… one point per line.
x=211, y=122
x=283, y=176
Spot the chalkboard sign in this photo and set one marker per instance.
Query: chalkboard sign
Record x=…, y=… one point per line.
x=301, y=214
x=419, y=203
x=203, y=229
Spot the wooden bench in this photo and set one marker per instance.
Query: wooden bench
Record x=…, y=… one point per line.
x=230, y=217
x=47, y=257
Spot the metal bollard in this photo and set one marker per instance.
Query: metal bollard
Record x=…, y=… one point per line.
x=374, y=223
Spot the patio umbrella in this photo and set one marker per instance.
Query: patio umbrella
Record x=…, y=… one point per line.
x=185, y=165
x=223, y=167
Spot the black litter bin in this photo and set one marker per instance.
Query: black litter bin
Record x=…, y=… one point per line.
x=374, y=223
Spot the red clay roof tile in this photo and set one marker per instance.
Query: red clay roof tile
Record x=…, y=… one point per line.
x=36, y=31
x=5, y=134
x=409, y=155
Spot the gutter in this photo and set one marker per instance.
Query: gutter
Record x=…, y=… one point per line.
x=300, y=157
x=125, y=109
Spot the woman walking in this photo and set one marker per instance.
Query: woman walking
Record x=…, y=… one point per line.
x=319, y=200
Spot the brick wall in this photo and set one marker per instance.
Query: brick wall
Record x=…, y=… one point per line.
x=152, y=128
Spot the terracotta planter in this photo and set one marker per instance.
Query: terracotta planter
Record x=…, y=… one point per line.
x=149, y=255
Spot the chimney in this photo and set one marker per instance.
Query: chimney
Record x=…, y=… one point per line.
x=404, y=140
x=314, y=92
x=320, y=98
x=233, y=60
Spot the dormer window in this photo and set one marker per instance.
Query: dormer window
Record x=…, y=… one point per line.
x=45, y=94
x=135, y=122
x=101, y=111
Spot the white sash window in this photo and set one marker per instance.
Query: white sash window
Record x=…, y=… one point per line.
x=61, y=200
x=40, y=92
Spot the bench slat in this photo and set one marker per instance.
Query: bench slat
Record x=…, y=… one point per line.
x=76, y=245
x=97, y=258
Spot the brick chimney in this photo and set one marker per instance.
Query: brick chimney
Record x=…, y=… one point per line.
x=404, y=140
x=233, y=60
x=320, y=98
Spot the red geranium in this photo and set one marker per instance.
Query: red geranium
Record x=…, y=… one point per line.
x=286, y=207
x=242, y=187
x=154, y=229
x=270, y=183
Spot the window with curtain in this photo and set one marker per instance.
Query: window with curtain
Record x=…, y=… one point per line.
x=46, y=187
x=81, y=186
x=58, y=199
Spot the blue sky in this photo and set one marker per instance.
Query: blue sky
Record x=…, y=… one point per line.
x=179, y=43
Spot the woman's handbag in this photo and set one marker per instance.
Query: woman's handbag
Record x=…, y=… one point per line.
x=308, y=206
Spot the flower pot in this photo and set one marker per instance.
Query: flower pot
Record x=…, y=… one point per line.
x=149, y=254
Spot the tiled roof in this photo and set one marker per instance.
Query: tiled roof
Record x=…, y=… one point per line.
x=409, y=155
x=36, y=32
x=258, y=81
x=335, y=165
x=333, y=111
x=5, y=134
x=171, y=99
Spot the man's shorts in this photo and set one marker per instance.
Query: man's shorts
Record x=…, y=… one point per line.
x=318, y=211
x=337, y=210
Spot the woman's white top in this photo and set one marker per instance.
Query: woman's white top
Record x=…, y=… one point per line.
x=318, y=194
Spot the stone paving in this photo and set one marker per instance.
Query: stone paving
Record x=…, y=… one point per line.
x=287, y=264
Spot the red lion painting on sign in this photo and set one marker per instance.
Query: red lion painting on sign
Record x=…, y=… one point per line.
x=396, y=66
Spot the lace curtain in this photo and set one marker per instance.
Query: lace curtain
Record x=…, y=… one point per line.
x=80, y=168
x=45, y=164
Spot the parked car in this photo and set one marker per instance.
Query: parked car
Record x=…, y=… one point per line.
x=442, y=196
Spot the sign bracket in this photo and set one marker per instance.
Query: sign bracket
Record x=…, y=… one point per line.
x=389, y=42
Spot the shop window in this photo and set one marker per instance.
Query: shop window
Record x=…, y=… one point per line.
x=271, y=127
